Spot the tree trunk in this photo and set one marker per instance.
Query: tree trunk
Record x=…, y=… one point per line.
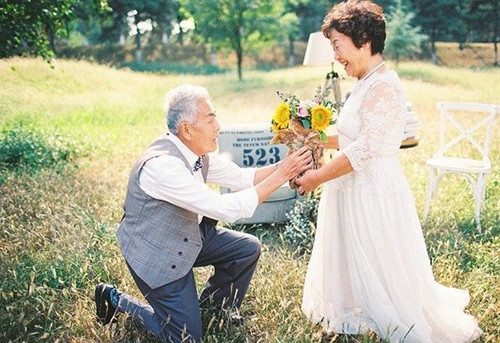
x=239, y=47
x=213, y=58
x=121, y=40
x=495, y=35
x=180, y=37
x=138, y=52
x=164, y=36
x=291, y=53
x=495, y=62
x=86, y=30
x=51, y=36
x=433, y=49
x=239, y=54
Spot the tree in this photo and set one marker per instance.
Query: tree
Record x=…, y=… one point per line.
x=438, y=18
x=235, y=24
x=484, y=16
x=403, y=39
x=310, y=14
x=163, y=12
x=114, y=24
x=155, y=12
x=30, y=27
x=89, y=20
x=289, y=24
x=298, y=20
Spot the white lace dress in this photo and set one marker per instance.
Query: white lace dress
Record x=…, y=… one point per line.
x=369, y=267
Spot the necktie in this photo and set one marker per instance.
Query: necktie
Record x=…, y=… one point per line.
x=198, y=164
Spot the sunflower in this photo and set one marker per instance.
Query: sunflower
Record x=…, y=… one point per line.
x=275, y=127
x=320, y=117
x=282, y=116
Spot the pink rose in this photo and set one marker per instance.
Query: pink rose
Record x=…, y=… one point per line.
x=303, y=113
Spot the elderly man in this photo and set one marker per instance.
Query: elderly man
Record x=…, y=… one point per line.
x=167, y=228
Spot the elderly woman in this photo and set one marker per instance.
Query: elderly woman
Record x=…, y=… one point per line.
x=369, y=268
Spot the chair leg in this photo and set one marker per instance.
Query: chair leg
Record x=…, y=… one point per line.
x=479, y=198
x=430, y=190
x=481, y=180
x=476, y=187
x=477, y=206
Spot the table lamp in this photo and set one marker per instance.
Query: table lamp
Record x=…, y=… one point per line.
x=319, y=51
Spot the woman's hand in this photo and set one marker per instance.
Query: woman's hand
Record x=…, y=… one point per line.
x=338, y=166
x=307, y=182
x=332, y=142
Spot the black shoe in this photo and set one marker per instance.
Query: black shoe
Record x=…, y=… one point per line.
x=104, y=308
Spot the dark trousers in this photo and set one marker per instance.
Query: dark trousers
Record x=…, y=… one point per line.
x=173, y=312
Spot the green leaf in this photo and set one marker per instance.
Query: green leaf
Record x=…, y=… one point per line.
x=306, y=123
x=323, y=136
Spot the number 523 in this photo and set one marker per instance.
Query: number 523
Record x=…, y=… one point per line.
x=261, y=157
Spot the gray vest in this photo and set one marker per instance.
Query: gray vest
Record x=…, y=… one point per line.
x=159, y=240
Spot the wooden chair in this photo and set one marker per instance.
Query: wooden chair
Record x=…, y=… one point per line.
x=444, y=162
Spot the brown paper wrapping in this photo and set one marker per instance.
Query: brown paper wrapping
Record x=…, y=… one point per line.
x=295, y=137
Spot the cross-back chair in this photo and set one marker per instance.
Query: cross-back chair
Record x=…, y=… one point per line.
x=443, y=162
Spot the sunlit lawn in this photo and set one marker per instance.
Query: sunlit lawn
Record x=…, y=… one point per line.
x=57, y=230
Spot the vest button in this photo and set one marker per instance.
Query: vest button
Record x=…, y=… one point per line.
x=180, y=253
x=174, y=266
x=185, y=240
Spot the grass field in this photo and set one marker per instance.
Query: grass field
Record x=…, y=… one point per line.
x=471, y=55
x=57, y=230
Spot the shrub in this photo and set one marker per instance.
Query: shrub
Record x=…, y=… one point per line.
x=174, y=68
x=301, y=228
x=24, y=150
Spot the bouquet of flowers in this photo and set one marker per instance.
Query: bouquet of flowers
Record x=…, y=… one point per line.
x=297, y=123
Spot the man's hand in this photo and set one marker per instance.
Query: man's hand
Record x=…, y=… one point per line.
x=293, y=165
x=296, y=163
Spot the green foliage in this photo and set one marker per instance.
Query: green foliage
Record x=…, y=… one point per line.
x=310, y=14
x=160, y=12
x=176, y=68
x=29, y=27
x=169, y=56
x=301, y=228
x=483, y=18
x=438, y=20
x=403, y=39
x=289, y=24
x=239, y=23
x=28, y=150
x=483, y=21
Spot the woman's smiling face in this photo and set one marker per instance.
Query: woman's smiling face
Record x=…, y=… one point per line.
x=346, y=53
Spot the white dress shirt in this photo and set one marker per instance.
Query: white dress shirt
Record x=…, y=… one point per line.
x=167, y=178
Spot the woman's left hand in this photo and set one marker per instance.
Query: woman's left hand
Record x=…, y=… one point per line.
x=307, y=182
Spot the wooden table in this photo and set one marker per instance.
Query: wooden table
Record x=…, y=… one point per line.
x=409, y=143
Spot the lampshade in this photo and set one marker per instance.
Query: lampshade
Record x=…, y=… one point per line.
x=319, y=50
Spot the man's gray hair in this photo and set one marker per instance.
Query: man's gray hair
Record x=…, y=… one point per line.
x=182, y=104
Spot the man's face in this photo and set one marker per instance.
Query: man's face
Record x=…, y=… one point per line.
x=205, y=130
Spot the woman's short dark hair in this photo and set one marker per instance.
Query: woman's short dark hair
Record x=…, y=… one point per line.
x=361, y=20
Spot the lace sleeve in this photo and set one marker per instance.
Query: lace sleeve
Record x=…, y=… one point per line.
x=381, y=114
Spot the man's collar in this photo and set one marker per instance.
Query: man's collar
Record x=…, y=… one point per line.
x=190, y=156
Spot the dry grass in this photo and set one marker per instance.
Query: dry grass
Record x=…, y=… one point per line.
x=470, y=55
x=57, y=231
